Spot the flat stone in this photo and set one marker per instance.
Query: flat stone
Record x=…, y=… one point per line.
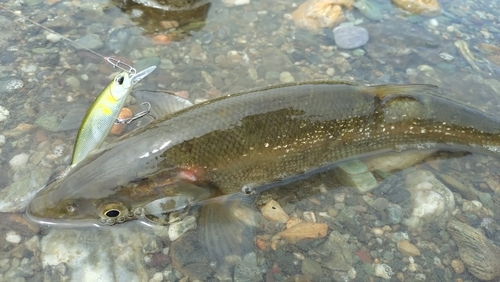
x=355, y=174
x=304, y=230
x=407, y=248
x=350, y=37
x=273, y=211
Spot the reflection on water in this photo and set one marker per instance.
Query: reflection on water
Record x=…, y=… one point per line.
x=388, y=232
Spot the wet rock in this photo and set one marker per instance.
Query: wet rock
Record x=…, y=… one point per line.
x=72, y=120
x=355, y=174
x=312, y=269
x=350, y=37
x=421, y=7
x=10, y=84
x=4, y=113
x=48, y=122
x=19, y=130
x=394, y=214
x=247, y=273
x=18, y=161
x=382, y=270
x=369, y=9
x=480, y=255
x=189, y=257
x=96, y=254
x=231, y=3
x=286, y=77
x=407, y=248
x=2, y=140
x=337, y=253
x=15, y=197
x=117, y=40
x=304, y=230
x=90, y=41
x=432, y=200
x=458, y=266
x=13, y=237
x=318, y=14
x=274, y=212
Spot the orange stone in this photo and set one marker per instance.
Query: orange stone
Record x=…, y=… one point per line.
x=161, y=39
x=304, y=230
x=118, y=129
x=318, y=14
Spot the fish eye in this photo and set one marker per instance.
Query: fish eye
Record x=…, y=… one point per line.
x=112, y=213
x=120, y=79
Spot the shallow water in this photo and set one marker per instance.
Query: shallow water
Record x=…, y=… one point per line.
x=218, y=50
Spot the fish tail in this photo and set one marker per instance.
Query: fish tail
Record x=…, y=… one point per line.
x=225, y=226
x=383, y=91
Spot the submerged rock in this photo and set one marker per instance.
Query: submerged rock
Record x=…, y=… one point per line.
x=350, y=37
x=318, y=14
x=424, y=7
x=97, y=254
x=480, y=255
x=432, y=200
x=355, y=174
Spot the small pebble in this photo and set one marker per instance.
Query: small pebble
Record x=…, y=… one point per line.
x=18, y=161
x=13, y=237
x=4, y=113
x=286, y=77
x=458, y=266
x=2, y=140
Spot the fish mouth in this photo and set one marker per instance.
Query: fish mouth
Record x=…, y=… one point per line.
x=61, y=222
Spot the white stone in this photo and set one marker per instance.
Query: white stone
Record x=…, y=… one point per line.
x=52, y=37
x=383, y=270
x=231, y=3
x=13, y=237
x=2, y=140
x=4, y=113
x=157, y=277
x=19, y=161
x=432, y=200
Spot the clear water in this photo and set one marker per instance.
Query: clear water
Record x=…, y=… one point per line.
x=219, y=50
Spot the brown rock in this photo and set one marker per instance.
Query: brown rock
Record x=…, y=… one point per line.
x=318, y=14
x=19, y=130
x=304, y=230
x=480, y=255
x=407, y=248
x=423, y=7
x=273, y=211
x=458, y=266
x=117, y=129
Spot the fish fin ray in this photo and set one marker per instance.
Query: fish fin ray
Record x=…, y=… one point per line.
x=162, y=102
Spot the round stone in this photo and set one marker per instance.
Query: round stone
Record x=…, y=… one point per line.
x=350, y=37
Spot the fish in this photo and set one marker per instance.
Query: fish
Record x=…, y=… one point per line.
x=246, y=142
x=103, y=112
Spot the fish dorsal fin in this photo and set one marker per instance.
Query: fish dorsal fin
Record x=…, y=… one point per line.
x=162, y=102
x=387, y=91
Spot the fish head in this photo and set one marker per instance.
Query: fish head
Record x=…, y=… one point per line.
x=92, y=196
x=121, y=85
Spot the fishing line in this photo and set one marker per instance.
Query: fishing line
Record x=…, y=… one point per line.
x=116, y=63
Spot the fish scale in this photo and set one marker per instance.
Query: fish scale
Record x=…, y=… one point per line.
x=256, y=139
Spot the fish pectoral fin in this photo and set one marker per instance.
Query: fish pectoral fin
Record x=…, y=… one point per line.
x=387, y=91
x=226, y=226
x=162, y=102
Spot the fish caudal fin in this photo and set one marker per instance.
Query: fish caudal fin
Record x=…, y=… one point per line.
x=383, y=91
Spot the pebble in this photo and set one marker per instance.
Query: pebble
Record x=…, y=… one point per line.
x=407, y=248
x=19, y=161
x=394, y=214
x=13, y=237
x=383, y=270
x=4, y=113
x=52, y=37
x=286, y=77
x=90, y=41
x=273, y=211
x=157, y=277
x=10, y=84
x=2, y=140
x=350, y=37
x=458, y=266
x=304, y=230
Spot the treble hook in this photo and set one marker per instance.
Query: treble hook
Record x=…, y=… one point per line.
x=121, y=65
x=136, y=116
